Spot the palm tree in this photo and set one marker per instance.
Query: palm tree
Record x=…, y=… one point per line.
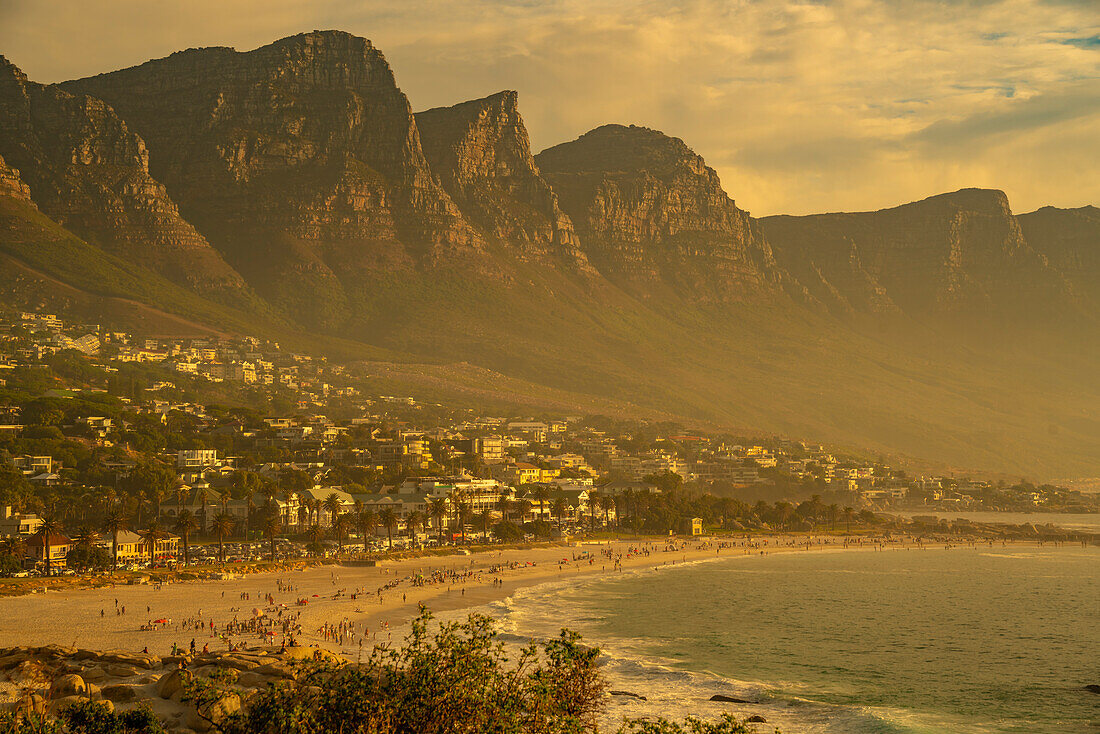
x=85, y=536
x=272, y=526
x=504, y=505
x=249, y=494
x=438, y=511
x=314, y=532
x=181, y=495
x=50, y=526
x=595, y=502
x=389, y=520
x=414, y=520
x=559, y=509
x=333, y=506
x=114, y=523
x=541, y=495
x=848, y=512
x=523, y=508
x=365, y=522
x=462, y=512
x=484, y=520
x=151, y=535
x=223, y=497
x=222, y=525
x=340, y=530
x=204, y=496
x=185, y=525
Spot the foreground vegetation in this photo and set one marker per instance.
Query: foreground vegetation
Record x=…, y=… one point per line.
x=451, y=678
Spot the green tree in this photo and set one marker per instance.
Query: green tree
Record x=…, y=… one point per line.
x=222, y=526
x=50, y=527
x=185, y=525
x=389, y=520
x=114, y=523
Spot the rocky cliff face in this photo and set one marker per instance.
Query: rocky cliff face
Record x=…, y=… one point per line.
x=300, y=160
x=653, y=217
x=958, y=254
x=12, y=185
x=84, y=167
x=1070, y=241
x=482, y=155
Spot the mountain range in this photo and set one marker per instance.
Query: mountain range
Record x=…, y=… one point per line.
x=291, y=190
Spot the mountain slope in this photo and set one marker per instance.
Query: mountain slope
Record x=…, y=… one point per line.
x=614, y=266
x=482, y=155
x=653, y=218
x=300, y=161
x=84, y=168
x=959, y=257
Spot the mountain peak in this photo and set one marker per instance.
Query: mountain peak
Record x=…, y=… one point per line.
x=620, y=148
x=983, y=201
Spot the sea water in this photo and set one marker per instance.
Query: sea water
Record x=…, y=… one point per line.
x=973, y=639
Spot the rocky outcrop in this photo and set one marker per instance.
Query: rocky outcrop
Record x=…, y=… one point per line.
x=954, y=255
x=482, y=155
x=12, y=185
x=300, y=160
x=652, y=217
x=1070, y=241
x=44, y=680
x=84, y=168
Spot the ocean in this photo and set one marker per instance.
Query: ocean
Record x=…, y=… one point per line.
x=972, y=640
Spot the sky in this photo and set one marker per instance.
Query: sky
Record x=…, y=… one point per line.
x=801, y=106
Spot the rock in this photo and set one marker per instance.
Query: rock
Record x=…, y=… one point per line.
x=275, y=670
x=93, y=673
x=482, y=155
x=119, y=670
x=68, y=685
x=628, y=694
x=31, y=704
x=120, y=693
x=251, y=679
x=172, y=683
x=222, y=708
x=639, y=199
x=728, y=699
x=756, y=719
x=1093, y=687
x=224, y=173
x=86, y=167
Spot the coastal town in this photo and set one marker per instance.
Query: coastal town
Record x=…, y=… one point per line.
x=126, y=448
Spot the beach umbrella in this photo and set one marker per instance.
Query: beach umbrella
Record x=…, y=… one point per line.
x=257, y=612
x=161, y=621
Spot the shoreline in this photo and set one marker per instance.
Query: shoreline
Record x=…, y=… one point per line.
x=367, y=604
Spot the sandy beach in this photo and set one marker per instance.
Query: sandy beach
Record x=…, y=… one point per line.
x=364, y=605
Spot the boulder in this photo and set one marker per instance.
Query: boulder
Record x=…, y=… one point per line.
x=68, y=685
x=172, y=683
x=59, y=703
x=31, y=705
x=122, y=670
x=252, y=679
x=727, y=699
x=275, y=670
x=93, y=673
x=1093, y=687
x=628, y=694
x=120, y=693
x=222, y=708
x=756, y=719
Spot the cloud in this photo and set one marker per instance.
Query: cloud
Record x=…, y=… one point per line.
x=801, y=105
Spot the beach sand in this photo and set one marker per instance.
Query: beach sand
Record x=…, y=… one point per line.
x=91, y=618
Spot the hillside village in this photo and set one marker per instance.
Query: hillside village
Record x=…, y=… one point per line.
x=113, y=442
